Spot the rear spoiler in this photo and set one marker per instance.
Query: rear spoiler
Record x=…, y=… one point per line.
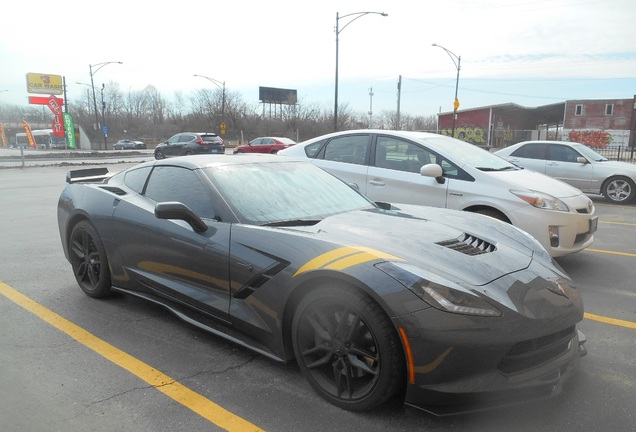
x=93, y=175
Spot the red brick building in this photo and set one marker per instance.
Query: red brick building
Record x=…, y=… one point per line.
x=595, y=122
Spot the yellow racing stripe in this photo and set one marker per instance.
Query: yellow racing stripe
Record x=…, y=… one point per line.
x=345, y=257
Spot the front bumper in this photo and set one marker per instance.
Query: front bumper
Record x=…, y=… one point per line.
x=574, y=229
x=455, y=379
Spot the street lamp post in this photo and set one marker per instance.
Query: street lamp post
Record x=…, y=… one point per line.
x=93, y=72
x=457, y=60
x=221, y=86
x=355, y=16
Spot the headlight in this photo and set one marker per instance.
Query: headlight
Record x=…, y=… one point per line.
x=541, y=200
x=440, y=294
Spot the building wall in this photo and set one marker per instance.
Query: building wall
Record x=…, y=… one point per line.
x=588, y=122
x=470, y=126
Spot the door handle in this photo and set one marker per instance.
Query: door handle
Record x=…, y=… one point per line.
x=377, y=182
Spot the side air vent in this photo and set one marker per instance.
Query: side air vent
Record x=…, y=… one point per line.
x=469, y=245
x=114, y=190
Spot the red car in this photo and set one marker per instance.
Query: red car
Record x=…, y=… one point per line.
x=265, y=145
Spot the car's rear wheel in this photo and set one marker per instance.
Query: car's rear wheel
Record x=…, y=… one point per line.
x=88, y=260
x=619, y=189
x=159, y=154
x=347, y=348
x=187, y=153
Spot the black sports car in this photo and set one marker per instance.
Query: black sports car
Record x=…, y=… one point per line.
x=444, y=309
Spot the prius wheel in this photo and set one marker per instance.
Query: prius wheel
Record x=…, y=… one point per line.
x=89, y=262
x=619, y=189
x=347, y=348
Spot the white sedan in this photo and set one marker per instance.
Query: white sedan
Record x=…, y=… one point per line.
x=434, y=170
x=578, y=165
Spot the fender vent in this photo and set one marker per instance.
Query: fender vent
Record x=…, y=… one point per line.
x=469, y=244
x=114, y=190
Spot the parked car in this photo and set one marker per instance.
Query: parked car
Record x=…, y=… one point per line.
x=578, y=165
x=265, y=145
x=189, y=143
x=129, y=145
x=434, y=305
x=435, y=170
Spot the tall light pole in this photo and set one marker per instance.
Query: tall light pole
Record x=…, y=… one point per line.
x=88, y=95
x=93, y=72
x=221, y=86
x=457, y=60
x=354, y=16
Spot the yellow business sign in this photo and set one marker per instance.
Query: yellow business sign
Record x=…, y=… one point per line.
x=44, y=84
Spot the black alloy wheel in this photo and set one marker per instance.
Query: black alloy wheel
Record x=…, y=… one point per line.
x=347, y=348
x=88, y=259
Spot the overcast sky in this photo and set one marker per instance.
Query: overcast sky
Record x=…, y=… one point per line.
x=530, y=52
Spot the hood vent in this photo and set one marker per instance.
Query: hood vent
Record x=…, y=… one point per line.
x=469, y=244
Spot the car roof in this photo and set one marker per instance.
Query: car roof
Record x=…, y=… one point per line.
x=209, y=160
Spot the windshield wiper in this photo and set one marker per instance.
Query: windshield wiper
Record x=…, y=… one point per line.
x=293, y=222
x=497, y=169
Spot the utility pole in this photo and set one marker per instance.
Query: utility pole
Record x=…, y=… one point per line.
x=399, y=95
x=370, y=107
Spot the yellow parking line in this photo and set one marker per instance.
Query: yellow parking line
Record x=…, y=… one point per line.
x=617, y=223
x=611, y=321
x=165, y=384
x=612, y=252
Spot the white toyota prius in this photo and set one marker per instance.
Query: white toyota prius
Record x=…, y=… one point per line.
x=434, y=170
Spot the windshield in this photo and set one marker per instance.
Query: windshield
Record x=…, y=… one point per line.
x=589, y=153
x=470, y=154
x=262, y=193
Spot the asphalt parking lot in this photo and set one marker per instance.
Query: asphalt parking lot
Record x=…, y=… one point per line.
x=71, y=363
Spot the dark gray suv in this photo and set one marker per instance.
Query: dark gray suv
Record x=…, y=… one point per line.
x=189, y=143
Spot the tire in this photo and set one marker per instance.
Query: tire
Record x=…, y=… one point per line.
x=619, y=189
x=88, y=259
x=159, y=154
x=356, y=363
x=188, y=153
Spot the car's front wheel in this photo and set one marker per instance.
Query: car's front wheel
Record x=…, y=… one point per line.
x=159, y=154
x=619, y=189
x=347, y=348
x=88, y=259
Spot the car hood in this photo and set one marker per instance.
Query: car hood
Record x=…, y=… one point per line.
x=458, y=245
x=616, y=166
x=532, y=180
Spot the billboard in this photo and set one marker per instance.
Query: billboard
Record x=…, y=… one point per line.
x=44, y=84
x=277, y=95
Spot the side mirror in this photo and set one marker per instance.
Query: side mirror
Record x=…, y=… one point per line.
x=582, y=160
x=433, y=170
x=177, y=210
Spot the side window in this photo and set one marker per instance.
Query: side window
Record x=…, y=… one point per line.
x=186, y=138
x=312, y=149
x=401, y=155
x=169, y=183
x=258, y=141
x=174, y=139
x=268, y=141
x=531, y=151
x=349, y=149
x=562, y=154
x=136, y=179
